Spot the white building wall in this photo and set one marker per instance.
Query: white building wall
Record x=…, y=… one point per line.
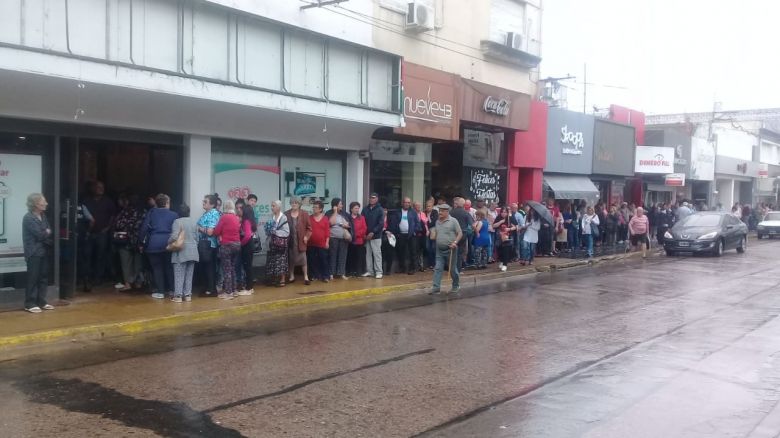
x=453, y=46
x=197, y=170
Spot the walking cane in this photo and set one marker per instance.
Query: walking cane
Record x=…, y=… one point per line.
x=452, y=258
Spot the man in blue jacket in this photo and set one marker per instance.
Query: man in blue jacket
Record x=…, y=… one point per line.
x=375, y=225
x=405, y=223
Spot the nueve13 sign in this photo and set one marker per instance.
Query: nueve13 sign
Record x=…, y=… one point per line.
x=427, y=109
x=575, y=141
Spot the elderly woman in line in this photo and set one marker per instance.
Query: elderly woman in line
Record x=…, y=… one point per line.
x=36, y=239
x=278, y=231
x=300, y=232
x=228, y=231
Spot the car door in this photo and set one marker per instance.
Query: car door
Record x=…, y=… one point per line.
x=732, y=231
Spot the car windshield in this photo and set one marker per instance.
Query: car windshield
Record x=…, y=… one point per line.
x=772, y=216
x=701, y=220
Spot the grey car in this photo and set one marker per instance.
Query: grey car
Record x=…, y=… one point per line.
x=706, y=232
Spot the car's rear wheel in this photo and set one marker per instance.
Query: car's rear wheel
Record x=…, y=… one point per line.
x=720, y=248
x=742, y=244
x=670, y=253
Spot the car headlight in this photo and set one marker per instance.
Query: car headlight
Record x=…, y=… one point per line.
x=708, y=235
x=668, y=235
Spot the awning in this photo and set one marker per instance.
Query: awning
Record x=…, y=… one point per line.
x=571, y=187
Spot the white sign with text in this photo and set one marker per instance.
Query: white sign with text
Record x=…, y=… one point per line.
x=654, y=159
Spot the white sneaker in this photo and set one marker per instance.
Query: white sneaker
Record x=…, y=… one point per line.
x=367, y=274
x=158, y=296
x=119, y=286
x=35, y=309
x=503, y=268
x=245, y=292
x=344, y=277
x=48, y=307
x=378, y=276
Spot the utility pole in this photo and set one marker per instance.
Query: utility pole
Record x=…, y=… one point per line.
x=585, y=88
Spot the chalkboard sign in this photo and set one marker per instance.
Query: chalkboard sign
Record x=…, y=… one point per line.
x=484, y=184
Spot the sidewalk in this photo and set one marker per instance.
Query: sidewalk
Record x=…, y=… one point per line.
x=113, y=314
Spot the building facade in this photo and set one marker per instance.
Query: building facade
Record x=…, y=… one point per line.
x=183, y=98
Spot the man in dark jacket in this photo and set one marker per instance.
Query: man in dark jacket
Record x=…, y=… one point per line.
x=466, y=222
x=375, y=225
x=404, y=224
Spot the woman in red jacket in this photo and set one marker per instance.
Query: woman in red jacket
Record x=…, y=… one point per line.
x=319, y=242
x=227, y=230
x=356, y=256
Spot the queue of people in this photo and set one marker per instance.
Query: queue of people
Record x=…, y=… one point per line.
x=163, y=249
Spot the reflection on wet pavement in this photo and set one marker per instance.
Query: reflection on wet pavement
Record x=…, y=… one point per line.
x=660, y=348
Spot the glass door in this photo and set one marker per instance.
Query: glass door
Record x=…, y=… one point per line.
x=66, y=205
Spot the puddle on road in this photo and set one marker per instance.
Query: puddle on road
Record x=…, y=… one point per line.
x=171, y=419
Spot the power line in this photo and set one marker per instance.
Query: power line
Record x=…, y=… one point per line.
x=408, y=36
x=400, y=26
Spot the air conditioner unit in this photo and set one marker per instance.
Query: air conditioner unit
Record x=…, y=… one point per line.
x=419, y=17
x=514, y=40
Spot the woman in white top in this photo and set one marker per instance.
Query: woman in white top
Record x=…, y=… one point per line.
x=530, y=237
x=590, y=223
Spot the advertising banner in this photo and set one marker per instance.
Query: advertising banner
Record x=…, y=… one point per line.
x=702, y=160
x=675, y=180
x=238, y=180
x=20, y=175
x=487, y=184
x=654, y=159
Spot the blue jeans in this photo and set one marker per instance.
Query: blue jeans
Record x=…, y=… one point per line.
x=589, y=240
x=529, y=250
x=443, y=258
x=518, y=245
x=573, y=239
x=491, y=246
x=431, y=253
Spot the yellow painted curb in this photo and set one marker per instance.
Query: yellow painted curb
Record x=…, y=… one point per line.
x=134, y=327
x=113, y=329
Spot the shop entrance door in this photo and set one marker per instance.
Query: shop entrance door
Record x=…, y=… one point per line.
x=66, y=247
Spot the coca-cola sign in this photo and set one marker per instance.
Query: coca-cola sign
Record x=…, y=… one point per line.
x=495, y=106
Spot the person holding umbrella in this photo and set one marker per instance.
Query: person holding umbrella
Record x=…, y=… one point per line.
x=531, y=236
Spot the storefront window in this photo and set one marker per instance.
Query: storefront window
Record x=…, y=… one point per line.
x=484, y=165
x=483, y=149
x=271, y=176
x=312, y=179
x=399, y=170
x=25, y=167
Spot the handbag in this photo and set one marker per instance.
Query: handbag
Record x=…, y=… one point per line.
x=120, y=238
x=278, y=242
x=347, y=235
x=594, y=230
x=178, y=244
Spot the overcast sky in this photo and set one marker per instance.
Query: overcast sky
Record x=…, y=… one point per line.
x=670, y=55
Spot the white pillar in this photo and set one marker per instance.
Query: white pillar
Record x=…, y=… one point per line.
x=355, y=173
x=197, y=170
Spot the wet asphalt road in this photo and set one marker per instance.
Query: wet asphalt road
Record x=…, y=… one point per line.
x=668, y=347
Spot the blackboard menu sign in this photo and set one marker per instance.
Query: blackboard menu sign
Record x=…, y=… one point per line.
x=481, y=183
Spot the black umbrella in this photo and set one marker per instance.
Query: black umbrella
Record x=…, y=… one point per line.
x=541, y=211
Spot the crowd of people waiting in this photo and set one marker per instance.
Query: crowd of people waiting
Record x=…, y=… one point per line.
x=161, y=248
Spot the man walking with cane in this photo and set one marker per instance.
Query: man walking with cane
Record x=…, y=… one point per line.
x=447, y=233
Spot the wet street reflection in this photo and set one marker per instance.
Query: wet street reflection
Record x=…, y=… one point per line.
x=684, y=346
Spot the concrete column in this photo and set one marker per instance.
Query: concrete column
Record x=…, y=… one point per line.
x=197, y=170
x=355, y=176
x=413, y=181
